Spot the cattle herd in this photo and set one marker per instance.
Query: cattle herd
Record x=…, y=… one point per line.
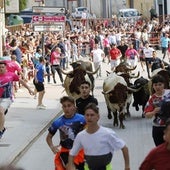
x=118, y=89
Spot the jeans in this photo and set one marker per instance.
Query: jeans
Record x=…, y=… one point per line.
x=58, y=69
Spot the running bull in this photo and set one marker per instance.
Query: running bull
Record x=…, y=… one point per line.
x=82, y=71
x=116, y=90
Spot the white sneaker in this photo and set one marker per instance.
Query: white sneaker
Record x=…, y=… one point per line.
x=41, y=107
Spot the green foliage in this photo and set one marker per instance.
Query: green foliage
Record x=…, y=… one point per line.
x=22, y=4
x=7, y=2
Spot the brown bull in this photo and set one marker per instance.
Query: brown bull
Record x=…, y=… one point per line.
x=116, y=91
x=82, y=70
x=122, y=67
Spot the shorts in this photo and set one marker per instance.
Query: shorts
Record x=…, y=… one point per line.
x=114, y=63
x=106, y=51
x=39, y=86
x=5, y=103
x=164, y=50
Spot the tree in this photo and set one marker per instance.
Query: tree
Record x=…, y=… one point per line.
x=22, y=4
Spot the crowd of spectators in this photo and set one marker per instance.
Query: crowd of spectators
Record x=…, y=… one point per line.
x=28, y=45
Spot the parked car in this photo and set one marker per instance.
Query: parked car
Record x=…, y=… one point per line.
x=77, y=14
x=15, y=20
x=27, y=14
x=128, y=15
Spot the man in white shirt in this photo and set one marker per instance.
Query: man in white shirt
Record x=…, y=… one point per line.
x=97, y=58
x=148, y=51
x=99, y=143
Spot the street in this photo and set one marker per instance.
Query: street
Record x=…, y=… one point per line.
x=24, y=142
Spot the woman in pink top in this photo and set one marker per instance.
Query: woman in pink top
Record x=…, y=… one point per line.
x=106, y=46
x=55, y=63
x=131, y=55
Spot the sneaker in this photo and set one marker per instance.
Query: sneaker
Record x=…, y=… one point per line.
x=41, y=107
x=2, y=132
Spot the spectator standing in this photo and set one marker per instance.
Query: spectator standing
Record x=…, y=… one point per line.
x=141, y=55
x=122, y=47
x=55, y=63
x=153, y=108
x=97, y=58
x=69, y=125
x=164, y=44
x=112, y=38
x=6, y=92
x=131, y=55
x=84, y=18
x=99, y=39
x=92, y=43
x=61, y=45
x=99, y=143
x=85, y=97
x=158, y=157
x=16, y=50
x=68, y=19
x=137, y=40
x=74, y=50
x=115, y=55
x=156, y=63
x=168, y=52
x=152, y=13
x=106, y=45
x=148, y=51
x=145, y=36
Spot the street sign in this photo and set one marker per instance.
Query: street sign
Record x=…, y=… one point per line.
x=48, y=9
x=47, y=28
x=44, y=18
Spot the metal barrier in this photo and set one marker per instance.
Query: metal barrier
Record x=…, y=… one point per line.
x=154, y=39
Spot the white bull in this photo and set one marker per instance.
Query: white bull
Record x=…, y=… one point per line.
x=115, y=91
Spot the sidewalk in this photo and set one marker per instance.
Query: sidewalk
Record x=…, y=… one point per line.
x=24, y=122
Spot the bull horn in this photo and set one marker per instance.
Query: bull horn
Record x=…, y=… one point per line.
x=135, y=76
x=105, y=92
x=133, y=90
x=130, y=69
x=66, y=73
x=90, y=72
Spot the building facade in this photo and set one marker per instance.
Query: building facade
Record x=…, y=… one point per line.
x=102, y=8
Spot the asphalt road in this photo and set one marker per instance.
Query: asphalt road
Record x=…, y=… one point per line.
x=24, y=141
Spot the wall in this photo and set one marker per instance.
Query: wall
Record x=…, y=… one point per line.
x=142, y=5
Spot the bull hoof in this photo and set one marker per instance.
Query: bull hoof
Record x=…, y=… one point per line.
x=143, y=115
x=127, y=114
x=115, y=124
x=137, y=108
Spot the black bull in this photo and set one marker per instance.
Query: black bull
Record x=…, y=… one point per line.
x=82, y=71
x=144, y=89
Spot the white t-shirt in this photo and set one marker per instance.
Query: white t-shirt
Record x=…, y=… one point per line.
x=97, y=55
x=99, y=143
x=148, y=52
